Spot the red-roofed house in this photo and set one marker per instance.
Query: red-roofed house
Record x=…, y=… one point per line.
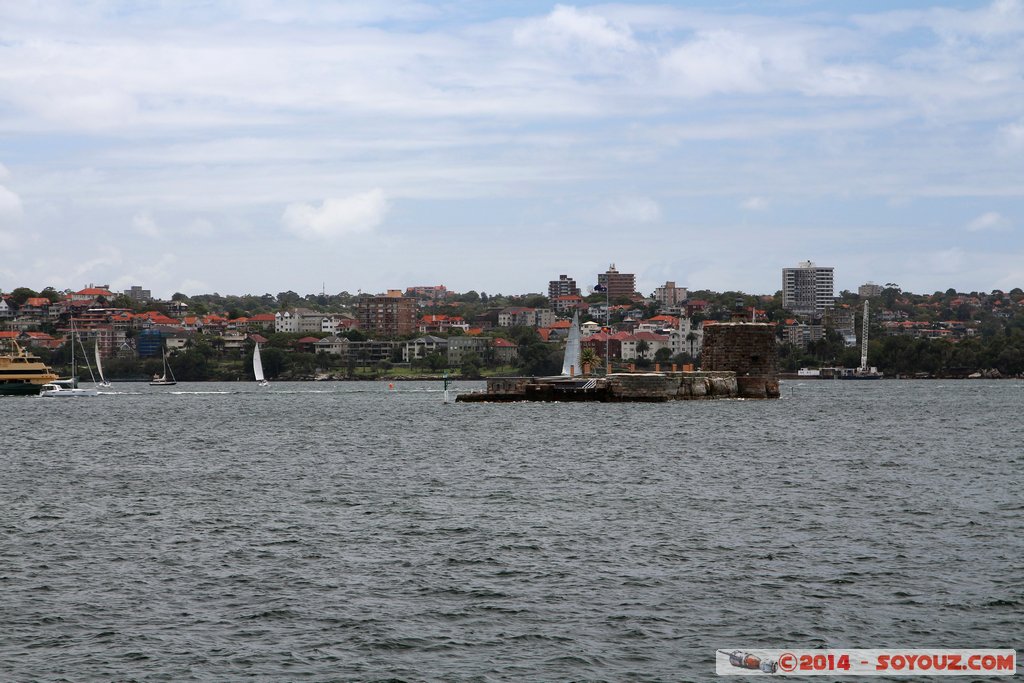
x=150, y=318
x=90, y=293
x=305, y=345
x=505, y=352
x=567, y=302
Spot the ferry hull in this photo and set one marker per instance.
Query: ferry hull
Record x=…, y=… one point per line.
x=19, y=389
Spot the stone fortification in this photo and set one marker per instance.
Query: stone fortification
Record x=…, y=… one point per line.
x=747, y=349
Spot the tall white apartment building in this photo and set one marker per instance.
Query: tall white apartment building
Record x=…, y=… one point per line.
x=808, y=289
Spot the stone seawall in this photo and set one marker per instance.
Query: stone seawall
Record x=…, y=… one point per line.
x=672, y=386
x=652, y=387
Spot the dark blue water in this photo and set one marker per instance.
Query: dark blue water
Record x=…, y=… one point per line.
x=341, y=531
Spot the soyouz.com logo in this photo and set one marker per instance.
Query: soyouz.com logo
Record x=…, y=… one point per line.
x=874, y=662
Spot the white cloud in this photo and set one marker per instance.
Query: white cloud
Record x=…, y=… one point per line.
x=990, y=220
x=717, y=61
x=567, y=27
x=945, y=262
x=625, y=211
x=10, y=207
x=755, y=204
x=335, y=218
x=199, y=227
x=1013, y=135
x=144, y=224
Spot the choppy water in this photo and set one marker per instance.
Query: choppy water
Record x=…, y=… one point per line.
x=348, y=532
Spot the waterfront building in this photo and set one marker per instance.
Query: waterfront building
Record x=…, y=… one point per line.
x=563, y=286
x=459, y=347
x=421, y=347
x=333, y=344
x=808, y=289
x=391, y=315
x=618, y=285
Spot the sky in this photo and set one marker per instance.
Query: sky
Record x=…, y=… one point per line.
x=254, y=146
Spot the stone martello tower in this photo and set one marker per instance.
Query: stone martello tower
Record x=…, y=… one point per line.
x=748, y=349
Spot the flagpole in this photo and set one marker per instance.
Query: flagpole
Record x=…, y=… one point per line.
x=608, y=332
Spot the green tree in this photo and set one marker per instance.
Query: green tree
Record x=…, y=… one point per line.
x=22, y=294
x=436, y=361
x=275, y=361
x=590, y=360
x=470, y=367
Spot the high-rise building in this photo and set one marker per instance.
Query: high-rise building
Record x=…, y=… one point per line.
x=808, y=289
x=563, y=286
x=137, y=293
x=619, y=285
x=392, y=315
x=866, y=291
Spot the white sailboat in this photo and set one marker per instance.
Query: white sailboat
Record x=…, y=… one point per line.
x=99, y=367
x=257, y=367
x=163, y=380
x=68, y=388
x=571, y=360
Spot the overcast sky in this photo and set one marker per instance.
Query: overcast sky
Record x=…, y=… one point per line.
x=260, y=146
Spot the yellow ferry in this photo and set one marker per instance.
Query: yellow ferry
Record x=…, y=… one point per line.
x=21, y=373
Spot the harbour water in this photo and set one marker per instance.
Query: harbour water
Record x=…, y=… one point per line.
x=347, y=531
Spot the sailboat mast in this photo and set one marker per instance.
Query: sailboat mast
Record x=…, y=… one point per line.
x=74, y=378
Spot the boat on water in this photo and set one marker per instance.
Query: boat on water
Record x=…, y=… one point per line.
x=22, y=373
x=571, y=360
x=68, y=388
x=257, y=367
x=163, y=380
x=99, y=368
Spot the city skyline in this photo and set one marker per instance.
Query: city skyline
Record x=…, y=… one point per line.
x=493, y=146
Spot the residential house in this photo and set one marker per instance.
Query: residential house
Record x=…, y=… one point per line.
x=92, y=293
x=517, y=316
x=505, y=351
x=37, y=307
x=333, y=344
x=421, y=347
x=306, y=344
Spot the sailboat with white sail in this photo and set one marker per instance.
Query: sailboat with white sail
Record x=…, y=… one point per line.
x=571, y=361
x=163, y=380
x=68, y=388
x=99, y=368
x=257, y=367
